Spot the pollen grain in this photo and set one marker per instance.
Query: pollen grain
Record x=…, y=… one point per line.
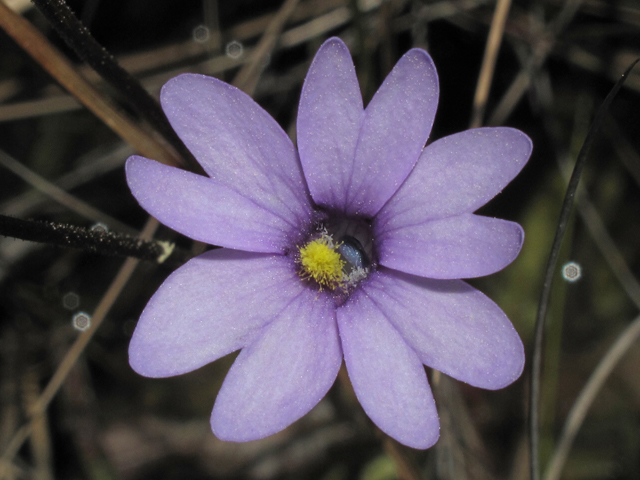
x=321, y=262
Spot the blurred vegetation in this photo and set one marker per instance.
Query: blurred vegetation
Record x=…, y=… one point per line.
x=556, y=62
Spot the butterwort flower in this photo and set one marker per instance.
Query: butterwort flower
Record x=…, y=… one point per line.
x=350, y=247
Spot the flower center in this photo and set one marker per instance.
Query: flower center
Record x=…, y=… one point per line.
x=334, y=257
x=321, y=262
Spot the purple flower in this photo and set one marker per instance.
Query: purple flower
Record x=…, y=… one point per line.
x=350, y=247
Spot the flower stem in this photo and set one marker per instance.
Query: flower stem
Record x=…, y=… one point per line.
x=89, y=240
x=565, y=212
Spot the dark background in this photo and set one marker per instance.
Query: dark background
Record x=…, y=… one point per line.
x=106, y=422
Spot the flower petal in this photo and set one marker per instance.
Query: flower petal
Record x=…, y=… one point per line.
x=329, y=118
x=464, y=246
x=211, y=306
x=283, y=374
x=387, y=376
x=451, y=326
x=395, y=128
x=457, y=174
x=238, y=144
x=203, y=209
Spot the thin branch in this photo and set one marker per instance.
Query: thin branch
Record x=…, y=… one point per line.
x=247, y=78
x=489, y=62
x=92, y=165
x=59, y=195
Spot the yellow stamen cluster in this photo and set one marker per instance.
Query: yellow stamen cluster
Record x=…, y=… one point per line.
x=321, y=262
